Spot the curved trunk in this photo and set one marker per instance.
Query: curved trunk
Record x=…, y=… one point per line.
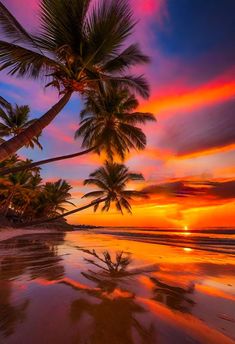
x=43, y=162
x=11, y=146
x=40, y=221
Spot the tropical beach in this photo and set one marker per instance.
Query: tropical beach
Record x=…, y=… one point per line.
x=117, y=176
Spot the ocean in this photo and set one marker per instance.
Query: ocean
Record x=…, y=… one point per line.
x=221, y=240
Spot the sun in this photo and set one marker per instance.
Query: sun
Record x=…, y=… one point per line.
x=186, y=228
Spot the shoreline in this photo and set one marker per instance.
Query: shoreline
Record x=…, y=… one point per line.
x=11, y=233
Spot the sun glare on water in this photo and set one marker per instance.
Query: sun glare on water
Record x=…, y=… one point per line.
x=185, y=230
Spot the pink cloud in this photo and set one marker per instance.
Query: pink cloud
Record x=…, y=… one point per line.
x=31, y=92
x=150, y=9
x=25, y=12
x=57, y=133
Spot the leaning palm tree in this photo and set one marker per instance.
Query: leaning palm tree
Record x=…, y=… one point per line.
x=15, y=120
x=78, y=47
x=111, y=181
x=108, y=124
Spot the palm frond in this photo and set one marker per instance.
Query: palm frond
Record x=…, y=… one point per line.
x=13, y=29
x=94, y=181
x=136, y=83
x=135, y=176
x=108, y=25
x=4, y=103
x=24, y=62
x=93, y=194
x=139, y=118
x=63, y=24
x=135, y=194
x=126, y=205
x=135, y=134
x=129, y=57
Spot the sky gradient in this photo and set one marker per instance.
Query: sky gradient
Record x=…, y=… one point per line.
x=189, y=162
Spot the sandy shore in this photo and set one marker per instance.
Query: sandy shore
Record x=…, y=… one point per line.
x=10, y=233
x=169, y=294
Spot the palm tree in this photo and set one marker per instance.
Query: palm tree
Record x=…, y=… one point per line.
x=111, y=181
x=17, y=184
x=108, y=124
x=14, y=120
x=57, y=195
x=24, y=204
x=51, y=201
x=78, y=47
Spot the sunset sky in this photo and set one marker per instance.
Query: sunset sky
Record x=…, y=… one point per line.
x=189, y=162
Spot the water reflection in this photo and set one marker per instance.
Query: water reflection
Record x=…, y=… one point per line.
x=37, y=257
x=33, y=257
x=10, y=314
x=109, y=297
x=115, y=267
x=114, y=316
x=173, y=297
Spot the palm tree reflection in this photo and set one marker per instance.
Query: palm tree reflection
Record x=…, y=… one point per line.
x=10, y=315
x=174, y=297
x=114, y=315
x=37, y=257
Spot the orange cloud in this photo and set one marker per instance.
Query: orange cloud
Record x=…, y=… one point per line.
x=209, y=151
x=205, y=95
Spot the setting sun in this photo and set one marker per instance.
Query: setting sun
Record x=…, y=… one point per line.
x=186, y=228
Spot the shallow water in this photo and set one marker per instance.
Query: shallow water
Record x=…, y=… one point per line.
x=50, y=294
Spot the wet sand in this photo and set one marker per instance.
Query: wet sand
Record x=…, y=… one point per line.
x=10, y=233
x=50, y=294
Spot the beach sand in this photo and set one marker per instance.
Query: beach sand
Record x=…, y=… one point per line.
x=50, y=294
x=9, y=233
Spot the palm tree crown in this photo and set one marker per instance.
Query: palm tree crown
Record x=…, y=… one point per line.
x=52, y=199
x=111, y=180
x=14, y=120
x=108, y=122
x=17, y=184
x=77, y=44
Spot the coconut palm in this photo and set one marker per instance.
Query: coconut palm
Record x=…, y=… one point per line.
x=108, y=124
x=9, y=163
x=23, y=205
x=78, y=47
x=17, y=184
x=51, y=201
x=111, y=181
x=14, y=120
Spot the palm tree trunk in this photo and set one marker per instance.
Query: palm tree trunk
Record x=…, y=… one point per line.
x=11, y=146
x=40, y=221
x=23, y=209
x=8, y=202
x=43, y=162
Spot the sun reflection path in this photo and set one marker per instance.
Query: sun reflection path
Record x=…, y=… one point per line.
x=186, y=231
